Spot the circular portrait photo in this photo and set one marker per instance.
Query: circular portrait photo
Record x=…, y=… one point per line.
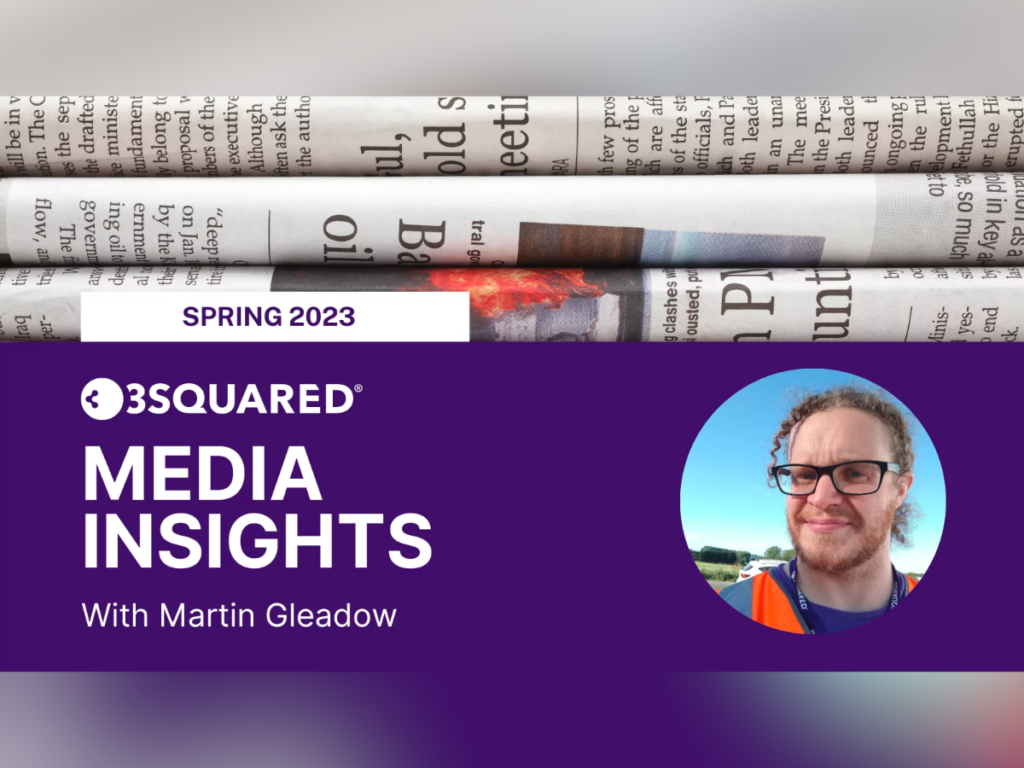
x=813, y=502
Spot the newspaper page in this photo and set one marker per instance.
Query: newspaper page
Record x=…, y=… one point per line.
x=795, y=221
x=668, y=304
x=135, y=136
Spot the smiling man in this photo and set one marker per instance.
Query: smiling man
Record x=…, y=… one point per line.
x=848, y=468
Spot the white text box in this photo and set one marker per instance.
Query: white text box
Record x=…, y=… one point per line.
x=266, y=316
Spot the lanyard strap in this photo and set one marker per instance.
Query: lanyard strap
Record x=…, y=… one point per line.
x=805, y=608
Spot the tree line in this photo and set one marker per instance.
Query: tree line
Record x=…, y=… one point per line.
x=738, y=557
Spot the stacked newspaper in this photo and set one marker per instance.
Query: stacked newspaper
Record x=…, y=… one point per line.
x=758, y=218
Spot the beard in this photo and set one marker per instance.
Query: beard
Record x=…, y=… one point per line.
x=830, y=554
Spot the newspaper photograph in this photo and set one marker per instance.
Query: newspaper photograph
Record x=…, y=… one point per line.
x=265, y=136
x=668, y=304
x=796, y=221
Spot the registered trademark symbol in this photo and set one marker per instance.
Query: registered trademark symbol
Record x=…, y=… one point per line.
x=358, y=387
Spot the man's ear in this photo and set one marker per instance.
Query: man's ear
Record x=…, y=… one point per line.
x=903, y=487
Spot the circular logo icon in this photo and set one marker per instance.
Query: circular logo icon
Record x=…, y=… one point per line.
x=102, y=399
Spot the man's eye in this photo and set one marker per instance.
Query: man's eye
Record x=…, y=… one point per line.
x=858, y=474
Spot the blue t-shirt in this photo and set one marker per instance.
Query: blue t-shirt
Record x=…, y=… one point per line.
x=824, y=620
x=827, y=620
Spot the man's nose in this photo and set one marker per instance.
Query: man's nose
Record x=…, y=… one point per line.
x=825, y=495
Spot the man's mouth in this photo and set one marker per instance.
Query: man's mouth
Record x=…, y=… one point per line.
x=826, y=524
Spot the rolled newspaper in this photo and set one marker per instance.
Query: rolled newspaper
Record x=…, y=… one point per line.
x=135, y=136
x=754, y=304
x=792, y=221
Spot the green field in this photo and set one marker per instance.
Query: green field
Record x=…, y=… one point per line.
x=718, y=572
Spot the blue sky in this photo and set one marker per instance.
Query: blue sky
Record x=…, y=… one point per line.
x=725, y=501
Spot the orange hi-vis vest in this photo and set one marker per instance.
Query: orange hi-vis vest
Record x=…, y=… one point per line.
x=765, y=600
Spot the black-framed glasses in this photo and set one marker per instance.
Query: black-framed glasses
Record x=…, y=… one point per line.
x=851, y=478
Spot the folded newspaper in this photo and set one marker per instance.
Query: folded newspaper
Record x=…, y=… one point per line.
x=134, y=136
x=670, y=304
x=933, y=219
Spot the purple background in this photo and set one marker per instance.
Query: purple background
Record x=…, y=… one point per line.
x=550, y=475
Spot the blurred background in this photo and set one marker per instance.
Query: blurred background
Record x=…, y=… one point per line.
x=487, y=718
x=531, y=47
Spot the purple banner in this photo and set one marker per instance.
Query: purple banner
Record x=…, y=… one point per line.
x=549, y=477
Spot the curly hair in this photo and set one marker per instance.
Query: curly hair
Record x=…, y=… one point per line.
x=874, y=403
